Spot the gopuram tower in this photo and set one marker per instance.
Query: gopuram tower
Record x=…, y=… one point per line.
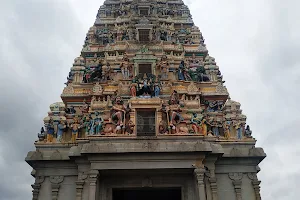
x=145, y=115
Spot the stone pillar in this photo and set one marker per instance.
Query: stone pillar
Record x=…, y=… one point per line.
x=79, y=189
x=213, y=187
x=255, y=183
x=55, y=185
x=36, y=187
x=93, y=177
x=237, y=183
x=199, y=174
x=210, y=164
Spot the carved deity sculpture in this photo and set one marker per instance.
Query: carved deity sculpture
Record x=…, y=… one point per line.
x=133, y=89
x=156, y=90
x=239, y=130
x=125, y=67
x=163, y=128
x=164, y=67
x=248, y=132
x=129, y=128
x=75, y=126
x=60, y=130
x=86, y=124
x=174, y=109
x=196, y=122
x=226, y=126
x=85, y=108
x=98, y=125
x=204, y=126
x=181, y=70
x=119, y=112
x=50, y=131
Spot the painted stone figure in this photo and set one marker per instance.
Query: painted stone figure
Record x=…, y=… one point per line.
x=226, y=126
x=129, y=130
x=98, y=124
x=125, y=67
x=86, y=124
x=204, y=126
x=239, y=132
x=60, y=130
x=248, y=132
x=164, y=67
x=133, y=89
x=50, y=131
x=85, y=108
x=119, y=111
x=181, y=70
x=156, y=90
x=163, y=128
x=196, y=122
x=75, y=126
x=174, y=109
x=42, y=135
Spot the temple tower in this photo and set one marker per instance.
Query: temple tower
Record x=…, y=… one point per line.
x=145, y=115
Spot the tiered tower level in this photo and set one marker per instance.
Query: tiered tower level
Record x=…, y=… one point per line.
x=145, y=106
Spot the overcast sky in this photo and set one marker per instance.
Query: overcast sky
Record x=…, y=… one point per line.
x=256, y=44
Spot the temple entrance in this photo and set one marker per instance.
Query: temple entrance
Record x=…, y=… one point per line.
x=147, y=194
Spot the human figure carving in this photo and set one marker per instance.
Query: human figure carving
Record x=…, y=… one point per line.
x=125, y=67
x=119, y=112
x=164, y=67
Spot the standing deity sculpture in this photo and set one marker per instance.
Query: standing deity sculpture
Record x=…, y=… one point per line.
x=133, y=89
x=239, y=130
x=119, y=112
x=125, y=67
x=174, y=110
x=86, y=124
x=156, y=90
x=85, y=107
x=50, y=131
x=164, y=67
x=75, y=126
x=226, y=127
x=204, y=126
x=60, y=130
x=98, y=124
x=196, y=123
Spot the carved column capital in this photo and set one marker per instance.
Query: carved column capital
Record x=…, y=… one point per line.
x=37, y=186
x=237, y=183
x=255, y=183
x=55, y=185
x=199, y=175
x=93, y=176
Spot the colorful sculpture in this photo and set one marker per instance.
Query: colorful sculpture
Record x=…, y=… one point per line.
x=75, y=126
x=60, y=130
x=164, y=67
x=50, y=131
x=125, y=67
x=196, y=123
x=119, y=112
x=98, y=124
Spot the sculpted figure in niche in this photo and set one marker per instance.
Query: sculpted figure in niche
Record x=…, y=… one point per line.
x=174, y=109
x=133, y=89
x=164, y=67
x=85, y=108
x=50, y=131
x=98, y=124
x=118, y=112
x=125, y=67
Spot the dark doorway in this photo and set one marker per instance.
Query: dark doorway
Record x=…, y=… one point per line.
x=145, y=69
x=147, y=194
x=145, y=122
